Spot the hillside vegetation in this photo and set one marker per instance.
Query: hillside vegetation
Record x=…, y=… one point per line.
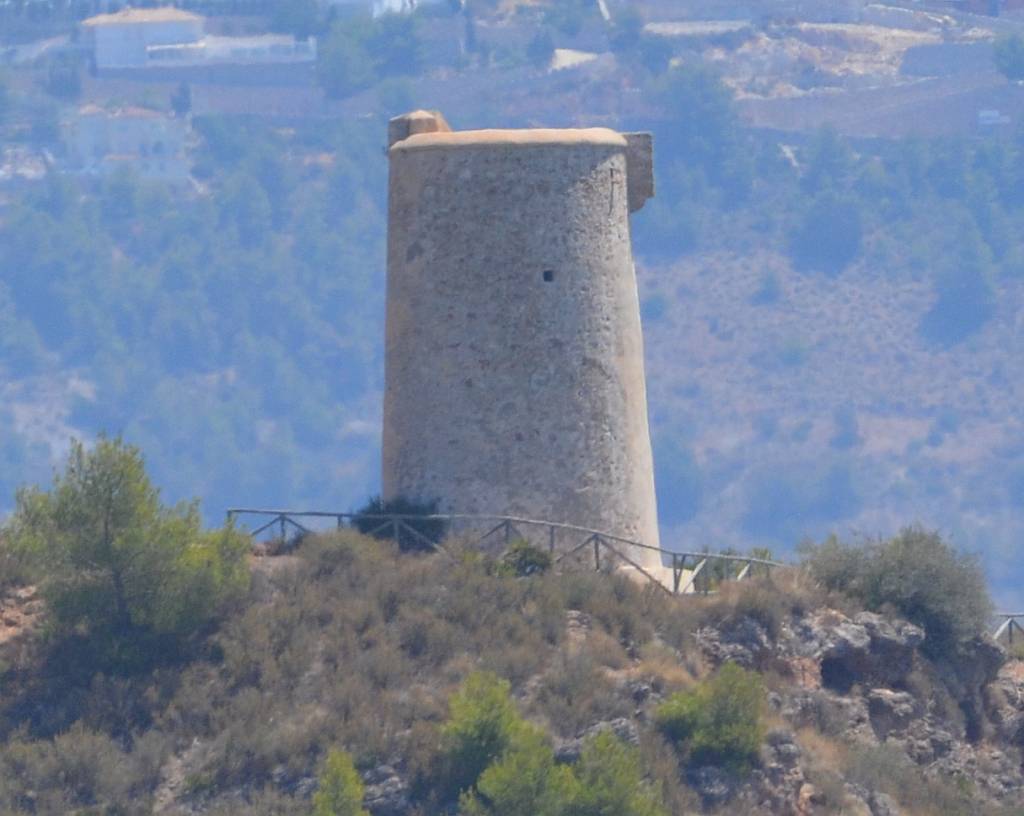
x=353, y=673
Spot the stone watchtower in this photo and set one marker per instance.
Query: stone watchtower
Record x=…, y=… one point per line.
x=515, y=369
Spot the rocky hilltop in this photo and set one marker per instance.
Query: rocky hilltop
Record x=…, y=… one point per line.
x=348, y=643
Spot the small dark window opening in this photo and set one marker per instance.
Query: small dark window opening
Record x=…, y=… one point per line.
x=549, y=275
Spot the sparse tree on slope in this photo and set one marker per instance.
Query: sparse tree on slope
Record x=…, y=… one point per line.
x=113, y=562
x=341, y=790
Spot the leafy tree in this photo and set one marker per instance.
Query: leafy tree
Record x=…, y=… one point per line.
x=569, y=16
x=344, y=65
x=526, y=781
x=298, y=17
x=181, y=100
x=964, y=295
x=340, y=790
x=703, y=129
x=721, y=721
x=64, y=78
x=396, y=45
x=246, y=205
x=112, y=560
x=828, y=237
x=610, y=781
x=1008, y=54
x=540, y=49
x=482, y=725
x=916, y=573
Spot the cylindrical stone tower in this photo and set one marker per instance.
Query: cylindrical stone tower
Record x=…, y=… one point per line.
x=515, y=370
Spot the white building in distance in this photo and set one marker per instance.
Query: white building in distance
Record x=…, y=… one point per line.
x=170, y=38
x=123, y=39
x=152, y=144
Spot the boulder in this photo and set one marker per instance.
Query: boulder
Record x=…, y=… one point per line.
x=569, y=751
x=714, y=785
x=387, y=793
x=890, y=711
x=744, y=642
x=865, y=649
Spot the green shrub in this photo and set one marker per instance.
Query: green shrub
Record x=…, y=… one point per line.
x=720, y=722
x=340, y=790
x=611, y=781
x=918, y=574
x=482, y=724
x=1008, y=55
x=523, y=559
x=525, y=782
x=607, y=780
x=427, y=529
x=116, y=563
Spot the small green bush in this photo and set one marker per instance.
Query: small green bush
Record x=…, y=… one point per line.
x=607, y=780
x=918, y=574
x=720, y=722
x=523, y=559
x=525, y=782
x=482, y=724
x=431, y=530
x=340, y=790
x=611, y=781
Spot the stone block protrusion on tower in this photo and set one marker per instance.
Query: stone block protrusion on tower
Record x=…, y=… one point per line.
x=639, y=169
x=421, y=121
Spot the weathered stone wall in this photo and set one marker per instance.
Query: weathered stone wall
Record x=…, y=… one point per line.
x=515, y=378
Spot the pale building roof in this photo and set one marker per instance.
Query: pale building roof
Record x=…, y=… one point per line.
x=165, y=14
x=126, y=112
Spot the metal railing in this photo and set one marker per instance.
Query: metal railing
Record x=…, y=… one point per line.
x=566, y=543
x=691, y=571
x=1009, y=623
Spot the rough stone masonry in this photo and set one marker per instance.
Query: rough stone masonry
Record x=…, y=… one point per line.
x=514, y=361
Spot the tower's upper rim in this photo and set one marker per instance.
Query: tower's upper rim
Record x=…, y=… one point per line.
x=512, y=138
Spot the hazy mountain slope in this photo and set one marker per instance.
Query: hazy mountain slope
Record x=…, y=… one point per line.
x=826, y=410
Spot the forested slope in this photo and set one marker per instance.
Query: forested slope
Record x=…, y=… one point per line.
x=847, y=313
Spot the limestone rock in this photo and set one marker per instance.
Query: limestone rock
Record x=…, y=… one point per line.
x=744, y=641
x=712, y=784
x=867, y=648
x=387, y=793
x=890, y=711
x=626, y=730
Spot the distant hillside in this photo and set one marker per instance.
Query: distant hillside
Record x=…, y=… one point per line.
x=787, y=405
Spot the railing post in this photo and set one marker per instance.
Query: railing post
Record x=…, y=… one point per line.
x=284, y=532
x=1009, y=632
x=551, y=539
x=597, y=554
